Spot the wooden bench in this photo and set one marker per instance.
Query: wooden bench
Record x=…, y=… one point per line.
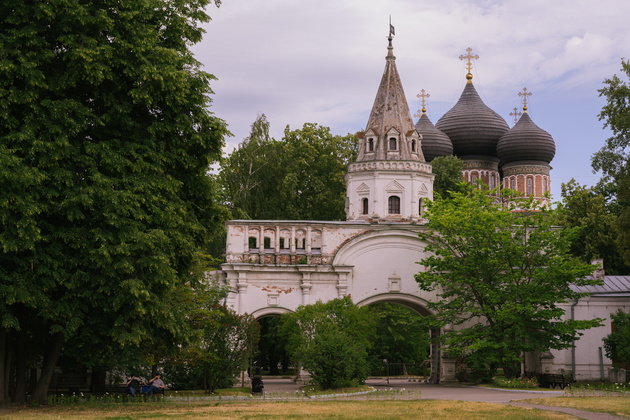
x=71, y=383
x=121, y=389
x=550, y=380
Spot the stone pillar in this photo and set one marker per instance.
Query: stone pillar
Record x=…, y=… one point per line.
x=447, y=373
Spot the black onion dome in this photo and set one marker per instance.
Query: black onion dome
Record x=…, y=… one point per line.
x=473, y=128
x=526, y=142
x=434, y=142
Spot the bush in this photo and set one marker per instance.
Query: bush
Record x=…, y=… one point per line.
x=516, y=382
x=331, y=340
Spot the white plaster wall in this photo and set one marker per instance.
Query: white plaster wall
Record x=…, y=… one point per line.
x=587, y=361
x=384, y=262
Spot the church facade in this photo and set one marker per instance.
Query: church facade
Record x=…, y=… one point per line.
x=273, y=266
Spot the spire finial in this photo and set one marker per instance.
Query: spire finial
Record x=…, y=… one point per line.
x=524, y=94
x=516, y=113
x=423, y=95
x=469, y=57
x=392, y=32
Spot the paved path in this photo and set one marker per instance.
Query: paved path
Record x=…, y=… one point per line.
x=460, y=393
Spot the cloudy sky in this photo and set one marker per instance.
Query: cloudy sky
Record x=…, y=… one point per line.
x=321, y=61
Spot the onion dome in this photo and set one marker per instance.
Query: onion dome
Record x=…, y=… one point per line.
x=434, y=142
x=472, y=126
x=526, y=142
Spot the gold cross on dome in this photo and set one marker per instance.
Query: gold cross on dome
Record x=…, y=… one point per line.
x=524, y=94
x=469, y=57
x=423, y=95
x=515, y=114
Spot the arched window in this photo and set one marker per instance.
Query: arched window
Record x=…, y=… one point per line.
x=365, y=206
x=393, y=205
x=392, y=143
x=529, y=186
x=544, y=185
x=413, y=146
x=370, y=145
x=420, y=209
x=513, y=184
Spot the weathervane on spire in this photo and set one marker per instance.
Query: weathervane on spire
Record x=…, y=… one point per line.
x=392, y=32
x=469, y=57
x=423, y=95
x=524, y=94
x=516, y=113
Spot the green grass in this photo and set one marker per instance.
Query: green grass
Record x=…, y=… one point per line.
x=417, y=409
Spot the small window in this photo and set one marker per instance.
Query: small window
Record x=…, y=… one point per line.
x=529, y=186
x=300, y=243
x=392, y=143
x=267, y=243
x=420, y=209
x=393, y=205
x=281, y=243
x=514, y=184
x=252, y=242
x=413, y=146
x=365, y=206
x=544, y=185
x=370, y=145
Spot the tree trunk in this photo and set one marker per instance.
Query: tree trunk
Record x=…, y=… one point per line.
x=8, y=371
x=3, y=373
x=20, y=369
x=52, y=352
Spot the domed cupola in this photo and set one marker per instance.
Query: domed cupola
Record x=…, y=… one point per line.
x=474, y=130
x=472, y=126
x=525, y=152
x=526, y=142
x=434, y=142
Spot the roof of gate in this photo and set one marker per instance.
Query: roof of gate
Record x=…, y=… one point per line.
x=612, y=285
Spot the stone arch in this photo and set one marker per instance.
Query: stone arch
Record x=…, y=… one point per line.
x=270, y=311
x=420, y=306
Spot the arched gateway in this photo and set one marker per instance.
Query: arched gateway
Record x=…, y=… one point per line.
x=370, y=262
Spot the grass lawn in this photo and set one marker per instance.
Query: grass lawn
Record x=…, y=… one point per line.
x=416, y=409
x=618, y=406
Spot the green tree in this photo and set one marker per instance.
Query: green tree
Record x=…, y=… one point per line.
x=617, y=343
x=250, y=175
x=225, y=345
x=500, y=277
x=401, y=335
x=613, y=159
x=105, y=141
x=300, y=177
x=448, y=175
x=586, y=210
x=331, y=340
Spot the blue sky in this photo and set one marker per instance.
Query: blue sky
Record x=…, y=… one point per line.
x=321, y=61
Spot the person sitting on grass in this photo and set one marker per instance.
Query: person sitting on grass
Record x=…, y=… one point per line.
x=155, y=384
x=131, y=385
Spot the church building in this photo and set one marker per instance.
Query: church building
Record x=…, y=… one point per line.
x=274, y=266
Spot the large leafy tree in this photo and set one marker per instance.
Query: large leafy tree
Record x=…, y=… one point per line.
x=613, y=159
x=300, y=177
x=587, y=210
x=331, y=340
x=500, y=277
x=105, y=141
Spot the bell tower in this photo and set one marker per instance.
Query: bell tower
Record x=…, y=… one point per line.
x=390, y=177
